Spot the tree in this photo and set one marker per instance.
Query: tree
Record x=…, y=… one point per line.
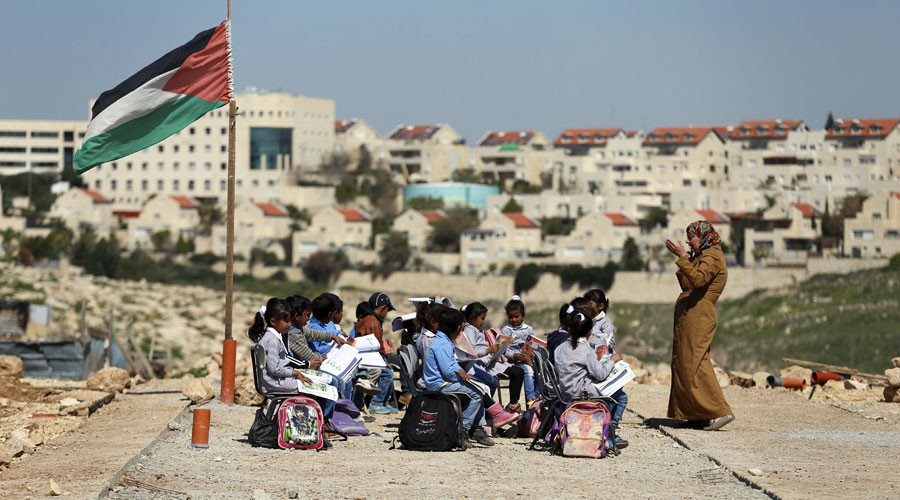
x=425, y=203
x=364, y=164
x=445, y=233
x=511, y=206
x=829, y=122
x=345, y=192
x=324, y=268
x=631, y=256
x=184, y=245
x=383, y=194
x=556, y=226
x=69, y=175
x=655, y=217
x=334, y=163
x=761, y=253
x=521, y=186
x=210, y=215
x=298, y=216
x=162, y=240
x=396, y=251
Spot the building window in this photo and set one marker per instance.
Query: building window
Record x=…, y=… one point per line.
x=160, y=166
x=175, y=183
x=144, y=184
x=98, y=184
x=128, y=184
x=222, y=185
x=191, y=148
x=144, y=166
x=14, y=150
x=223, y=148
x=44, y=164
x=192, y=166
x=160, y=148
x=159, y=185
x=191, y=130
x=175, y=148
x=269, y=147
x=45, y=135
x=208, y=131
x=190, y=185
x=44, y=150
x=224, y=130
x=112, y=184
x=208, y=148
x=11, y=133
x=128, y=166
x=175, y=166
x=207, y=185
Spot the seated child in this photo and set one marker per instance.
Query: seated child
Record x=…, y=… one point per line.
x=427, y=314
x=475, y=316
x=443, y=373
x=298, y=336
x=560, y=335
x=577, y=365
x=269, y=324
x=603, y=338
x=520, y=331
x=323, y=314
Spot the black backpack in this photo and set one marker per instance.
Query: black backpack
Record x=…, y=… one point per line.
x=433, y=422
x=264, y=430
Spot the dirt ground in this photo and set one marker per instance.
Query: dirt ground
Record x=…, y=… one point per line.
x=781, y=446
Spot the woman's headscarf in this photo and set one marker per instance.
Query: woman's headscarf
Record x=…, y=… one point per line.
x=705, y=231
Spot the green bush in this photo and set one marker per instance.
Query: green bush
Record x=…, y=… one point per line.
x=895, y=261
x=527, y=277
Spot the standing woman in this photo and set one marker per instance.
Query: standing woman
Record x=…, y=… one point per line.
x=695, y=395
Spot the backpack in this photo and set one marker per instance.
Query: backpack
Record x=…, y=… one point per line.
x=531, y=419
x=432, y=422
x=300, y=424
x=584, y=429
x=264, y=430
x=344, y=425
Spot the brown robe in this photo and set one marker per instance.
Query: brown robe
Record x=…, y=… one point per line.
x=695, y=392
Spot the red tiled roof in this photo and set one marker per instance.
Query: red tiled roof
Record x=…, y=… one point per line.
x=714, y=217
x=620, y=219
x=98, y=198
x=586, y=136
x=271, y=210
x=126, y=214
x=500, y=137
x=432, y=215
x=632, y=133
x=521, y=220
x=896, y=195
x=352, y=215
x=807, y=210
x=184, y=201
x=768, y=129
x=678, y=135
x=341, y=126
x=861, y=127
x=414, y=132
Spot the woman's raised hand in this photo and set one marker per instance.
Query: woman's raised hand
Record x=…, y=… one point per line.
x=676, y=248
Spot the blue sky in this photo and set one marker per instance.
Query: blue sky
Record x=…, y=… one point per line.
x=481, y=65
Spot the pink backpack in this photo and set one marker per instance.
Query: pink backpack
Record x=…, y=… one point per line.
x=300, y=424
x=584, y=427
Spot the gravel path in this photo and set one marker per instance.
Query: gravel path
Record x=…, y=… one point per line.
x=84, y=460
x=802, y=448
x=654, y=466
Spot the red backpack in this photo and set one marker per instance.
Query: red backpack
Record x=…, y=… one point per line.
x=300, y=424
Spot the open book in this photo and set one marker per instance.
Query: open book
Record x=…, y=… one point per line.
x=620, y=375
x=480, y=386
x=341, y=362
x=531, y=343
x=318, y=386
x=368, y=346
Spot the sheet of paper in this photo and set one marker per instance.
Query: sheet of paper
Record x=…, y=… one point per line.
x=367, y=343
x=371, y=359
x=318, y=389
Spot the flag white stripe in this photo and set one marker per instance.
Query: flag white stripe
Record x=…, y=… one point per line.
x=135, y=104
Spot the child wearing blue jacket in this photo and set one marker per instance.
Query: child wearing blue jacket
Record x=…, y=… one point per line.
x=442, y=373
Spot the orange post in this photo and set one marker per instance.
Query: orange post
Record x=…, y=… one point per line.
x=228, y=361
x=821, y=377
x=200, y=431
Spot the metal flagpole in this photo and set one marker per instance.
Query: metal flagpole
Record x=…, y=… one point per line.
x=230, y=346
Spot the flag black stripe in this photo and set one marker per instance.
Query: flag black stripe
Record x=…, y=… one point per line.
x=166, y=63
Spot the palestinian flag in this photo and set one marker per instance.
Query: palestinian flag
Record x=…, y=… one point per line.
x=161, y=99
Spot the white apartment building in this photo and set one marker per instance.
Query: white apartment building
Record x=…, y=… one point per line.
x=425, y=153
x=786, y=233
x=513, y=155
x=599, y=160
x=277, y=136
x=773, y=153
x=596, y=239
x=80, y=208
x=416, y=225
x=333, y=229
x=500, y=239
x=875, y=231
x=350, y=135
x=41, y=146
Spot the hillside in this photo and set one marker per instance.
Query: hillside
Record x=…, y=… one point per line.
x=851, y=320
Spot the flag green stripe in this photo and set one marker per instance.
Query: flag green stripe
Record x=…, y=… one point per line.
x=142, y=132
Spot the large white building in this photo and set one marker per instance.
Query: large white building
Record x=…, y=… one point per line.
x=39, y=145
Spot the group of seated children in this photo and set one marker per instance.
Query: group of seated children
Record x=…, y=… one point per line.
x=582, y=350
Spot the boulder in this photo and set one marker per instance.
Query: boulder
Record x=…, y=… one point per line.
x=10, y=366
x=53, y=489
x=18, y=442
x=741, y=379
x=660, y=378
x=896, y=362
x=855, y=385
x=67, y=402
x=759, y=379
x=892, y=394
x=722, y=377
x=245, y=393
x=632, y=361
x=5, y=456
x=795, y=371
x=110, y=379
x=640, y=375
x=198, y=391
x=893, y=376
